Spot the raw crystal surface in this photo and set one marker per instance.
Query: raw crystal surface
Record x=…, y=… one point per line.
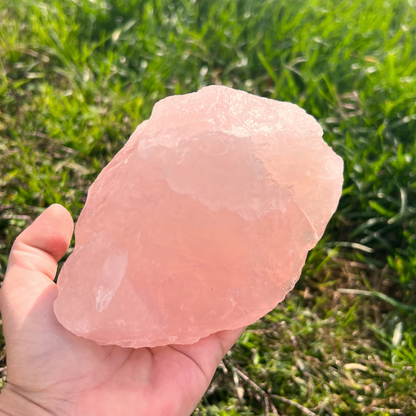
x=201, y=223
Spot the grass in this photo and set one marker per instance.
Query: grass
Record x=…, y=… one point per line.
x=76, y=77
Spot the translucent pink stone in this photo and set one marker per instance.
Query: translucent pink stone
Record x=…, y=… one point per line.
x=201, y=223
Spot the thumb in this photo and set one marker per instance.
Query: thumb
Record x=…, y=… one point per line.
x=34, y=256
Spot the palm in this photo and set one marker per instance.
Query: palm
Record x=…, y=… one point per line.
x=74, y=376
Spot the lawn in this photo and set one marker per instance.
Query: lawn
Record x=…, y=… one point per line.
x=77, y=76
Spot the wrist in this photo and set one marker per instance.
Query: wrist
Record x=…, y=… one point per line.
x=12, y=403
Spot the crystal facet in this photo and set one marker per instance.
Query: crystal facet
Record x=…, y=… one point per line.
x=201, y=223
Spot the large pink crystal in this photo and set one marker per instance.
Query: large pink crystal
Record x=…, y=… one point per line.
x=202, y=222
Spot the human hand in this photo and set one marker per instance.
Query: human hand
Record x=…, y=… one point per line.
x=53, y=372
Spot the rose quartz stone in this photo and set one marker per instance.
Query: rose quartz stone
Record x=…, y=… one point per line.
x=201, y=223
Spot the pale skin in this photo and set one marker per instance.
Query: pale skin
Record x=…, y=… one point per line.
x=53, y=372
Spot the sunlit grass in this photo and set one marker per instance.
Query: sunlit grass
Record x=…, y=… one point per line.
x=77, y=76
